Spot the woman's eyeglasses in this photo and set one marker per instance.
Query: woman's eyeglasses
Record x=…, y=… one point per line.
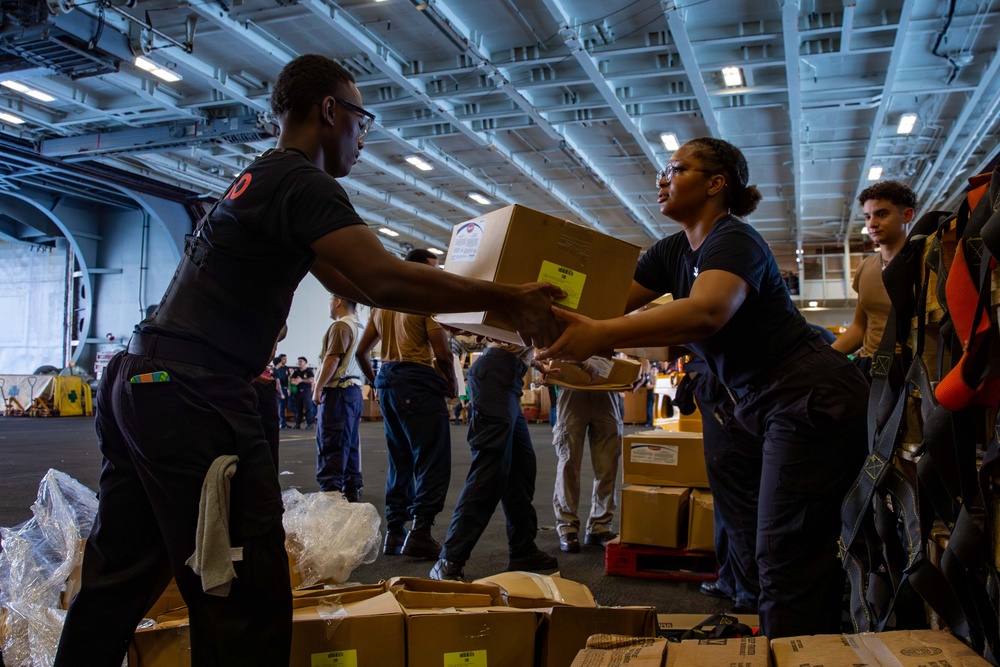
x=671, y=170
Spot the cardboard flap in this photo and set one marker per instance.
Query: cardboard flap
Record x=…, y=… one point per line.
x=622, y=374
x=420, y=585
x=529, y=590
x=442, y=600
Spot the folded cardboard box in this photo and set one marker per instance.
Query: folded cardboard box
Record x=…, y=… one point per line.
x=528, y=590
x=612, y=374
x=516, y=245
x=701, y=521
x=664, y=458
x=563, y=631
x=654, y=515
x=614, y=651
x=902, y=648
x=737, y=652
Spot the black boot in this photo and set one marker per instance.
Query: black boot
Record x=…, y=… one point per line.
x=395, y=537
x=419, y=541
x=353, y=495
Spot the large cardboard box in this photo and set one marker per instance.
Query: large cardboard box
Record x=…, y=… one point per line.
x=370, y=410
x=528, y=590
x=564, y=631
x=635, y=406
x=903, y=648
x=613, y=651
x=516, y=245
x=701, y=521
x=664, y=458
x=654, y=515
x=454, y=623
x=742, y=652
x=345, y=630
x=469, y=636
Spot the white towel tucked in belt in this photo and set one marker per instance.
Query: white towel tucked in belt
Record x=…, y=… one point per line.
x=212, y=559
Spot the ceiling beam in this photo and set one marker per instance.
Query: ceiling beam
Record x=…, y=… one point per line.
x=678, y=30
x=895, y=60
x=790, y=33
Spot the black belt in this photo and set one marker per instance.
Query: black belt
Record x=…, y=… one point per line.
x=153, y=346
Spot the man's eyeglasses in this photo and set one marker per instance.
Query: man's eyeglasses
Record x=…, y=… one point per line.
x=367, y=116
x=672, y=170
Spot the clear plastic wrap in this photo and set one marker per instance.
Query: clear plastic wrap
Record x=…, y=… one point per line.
x=37, y=558
x=329, y=537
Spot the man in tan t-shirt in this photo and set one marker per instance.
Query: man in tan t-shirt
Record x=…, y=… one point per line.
x=416, y=377
x=889, y=207
x=338, y=395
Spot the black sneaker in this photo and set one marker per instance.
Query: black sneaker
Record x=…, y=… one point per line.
x=599, y=539
x=445, y=570
x=569, y=543
x=539, y=561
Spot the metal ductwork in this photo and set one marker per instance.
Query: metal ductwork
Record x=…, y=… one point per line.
x=239, y=129
x=36, y=33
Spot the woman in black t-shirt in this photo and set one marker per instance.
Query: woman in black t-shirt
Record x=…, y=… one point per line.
x=808, y=402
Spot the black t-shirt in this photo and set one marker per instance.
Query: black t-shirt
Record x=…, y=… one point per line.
x=235, y=292
x=764, y=331
x=282, y=375
x=305, y=377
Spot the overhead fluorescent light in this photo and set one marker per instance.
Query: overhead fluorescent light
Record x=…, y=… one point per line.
x=156, y=70
x=433, y=250
x=387, y=231
x=864, y=230
x=479, y=199
x=733, y=76
x=10, y=118
x=874, y=173
x=813, y=304
x=906, y=123
x=39, y=95
x=669, y=140
x=419, y=164
x=145, y=63
x=25, y=90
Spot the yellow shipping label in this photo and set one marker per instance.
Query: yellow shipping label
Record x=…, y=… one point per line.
x=335, y=659
x=465, y=659
x=568, y=280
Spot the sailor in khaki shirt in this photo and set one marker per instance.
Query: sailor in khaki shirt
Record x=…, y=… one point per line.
x=416, y=377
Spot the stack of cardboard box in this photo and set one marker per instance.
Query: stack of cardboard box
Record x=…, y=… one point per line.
x=665, y=501
x=370, y=410
x=515, y=618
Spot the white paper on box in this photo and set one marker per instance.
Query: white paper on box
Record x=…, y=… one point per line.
x=465, y=246
x=663, y=455
x=335, y=659
x=602, y=365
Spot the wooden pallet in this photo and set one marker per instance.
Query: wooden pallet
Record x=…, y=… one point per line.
x=636, y=560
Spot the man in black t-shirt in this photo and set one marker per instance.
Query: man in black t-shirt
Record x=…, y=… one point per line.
x=177, y=410
x=302, y=379
x=280, y=372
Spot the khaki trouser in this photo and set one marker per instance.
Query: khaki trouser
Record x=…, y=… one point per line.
x=579, y=414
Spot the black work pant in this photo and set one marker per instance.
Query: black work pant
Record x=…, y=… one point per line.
x=418, y=437
x=158, y=441
x=503, y=461
x=733, y=458
x=302, y=399
x=812, y=416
